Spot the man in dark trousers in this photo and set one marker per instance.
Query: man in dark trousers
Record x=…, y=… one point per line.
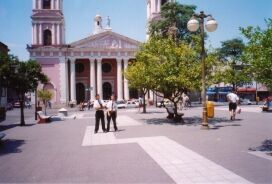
x=111, y=113
x=99, y=106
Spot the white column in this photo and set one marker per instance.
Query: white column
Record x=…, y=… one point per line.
x=126, y=90
x=32, y=32
x=63, y=80
x=34, y=4
x=53, y=34
x=92, y=79
x=151, y=96
x=40, y=34
x=99, y=77
x=58, y=4
x=39, y=4
x=159, y=6
x=63, y=33
x=119, y=80
x=58, y=34
x=52, y=4
x=35, y=34
x=73, y=80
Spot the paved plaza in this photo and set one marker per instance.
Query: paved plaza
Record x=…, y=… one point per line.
x=148, y=148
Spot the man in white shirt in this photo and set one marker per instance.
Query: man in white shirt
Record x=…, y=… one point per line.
x=112, y=113
x=99, y=106
x=233, y=100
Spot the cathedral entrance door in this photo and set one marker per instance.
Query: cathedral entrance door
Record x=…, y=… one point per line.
x=107, y=90
x=80, y=92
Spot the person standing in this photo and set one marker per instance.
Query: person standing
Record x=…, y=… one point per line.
x=233, y=100
x=112, y=113
x=99, y=114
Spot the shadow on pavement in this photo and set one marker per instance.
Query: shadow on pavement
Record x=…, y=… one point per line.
x=6, y=127
x=196, y=121
x=161, y=121
x=11, y=146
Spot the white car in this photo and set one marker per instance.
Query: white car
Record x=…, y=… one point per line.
x=245, y=101
x=132, y=104
x=121, y=104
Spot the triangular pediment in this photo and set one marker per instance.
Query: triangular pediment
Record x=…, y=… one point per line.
x=107, y=40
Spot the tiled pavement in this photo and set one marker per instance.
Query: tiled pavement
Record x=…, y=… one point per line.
x=152, y=150
x=180, y=163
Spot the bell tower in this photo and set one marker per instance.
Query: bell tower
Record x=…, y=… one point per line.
x=153, y=10
x=48, y=26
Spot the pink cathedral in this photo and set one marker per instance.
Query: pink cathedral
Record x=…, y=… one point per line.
x=81, y=69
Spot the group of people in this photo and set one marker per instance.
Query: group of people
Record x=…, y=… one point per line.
x=111, y=113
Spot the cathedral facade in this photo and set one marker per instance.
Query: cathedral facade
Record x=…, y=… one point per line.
x=81, y=69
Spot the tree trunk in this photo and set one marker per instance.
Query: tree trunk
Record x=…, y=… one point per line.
x=45, y=105
x=144, y=105
x=21, y=100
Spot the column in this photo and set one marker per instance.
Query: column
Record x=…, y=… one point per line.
x=99, y=77
x=58, y=34
x=53, y=34
x=40, y=34
x=58, y=5
x=52, y=4
x=119, y=80
x=126, y=90
x=32, y=32
x=73, y=80
x=34, y=4
x=35, y=33
x=92, y=79
x=63, y=80
x=39, y=4
x=151, y=95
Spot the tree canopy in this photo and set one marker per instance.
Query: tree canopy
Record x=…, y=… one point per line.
x=167, y=67
x=22, y=77
x=173, y=14
x=258, y=52
x=233, y=68
x=45, y=96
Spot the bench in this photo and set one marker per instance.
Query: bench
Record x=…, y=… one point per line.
x=171, y=114
x=43, y=118
x=2, y=135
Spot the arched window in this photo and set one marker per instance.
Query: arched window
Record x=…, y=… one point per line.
x=46, y=4
x=47, y=37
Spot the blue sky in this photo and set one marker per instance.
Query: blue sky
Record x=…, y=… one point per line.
x=128, y=17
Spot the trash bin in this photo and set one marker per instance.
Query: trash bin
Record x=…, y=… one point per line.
x=210, y=109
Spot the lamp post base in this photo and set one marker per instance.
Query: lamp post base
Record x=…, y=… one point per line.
x=205, y=126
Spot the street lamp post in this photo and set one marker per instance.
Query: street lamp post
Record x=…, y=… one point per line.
x=211, y=25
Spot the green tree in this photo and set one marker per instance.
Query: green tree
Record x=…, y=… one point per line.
x=258, y=52
x=138, y=75
x=233, y=71
x=173, y=14
x=45, y=96
x=24, y=77
x=168, y=68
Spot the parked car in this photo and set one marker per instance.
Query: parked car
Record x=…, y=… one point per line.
x=245, y=101
x=132, y=104
x=121, y=104
x=16, y=104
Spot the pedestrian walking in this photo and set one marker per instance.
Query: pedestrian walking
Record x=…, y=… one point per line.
x=233, y=100
x=112, y=113
x=99, y=106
